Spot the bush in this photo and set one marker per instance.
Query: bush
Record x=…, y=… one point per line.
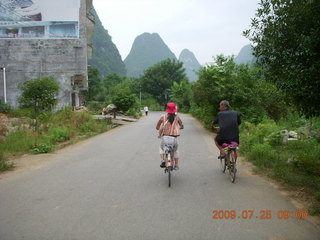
x=39, y=94
x=95, y=106
x=152, y=104
x=296, y=163
x=17, y=142
x=204, y=114
x=4, y=107
x=42, y=148
x=88, y=127
x=22, y=112
x=133, y=112
x=4, y=166
x=252, y=134
x=125, y=99
x=57, y=134
x=263, y=155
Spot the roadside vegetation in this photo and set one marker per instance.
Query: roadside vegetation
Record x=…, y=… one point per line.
x=35, y=128
x=50, y=131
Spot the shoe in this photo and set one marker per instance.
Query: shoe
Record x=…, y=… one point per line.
x=163, y=165
x=176, y=167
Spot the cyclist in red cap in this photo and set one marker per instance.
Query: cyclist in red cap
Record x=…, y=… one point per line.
x=169, y=126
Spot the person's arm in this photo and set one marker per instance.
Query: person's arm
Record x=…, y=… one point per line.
x=238, y=119
x=159, y=123
x=214, y=122
x=180, y=123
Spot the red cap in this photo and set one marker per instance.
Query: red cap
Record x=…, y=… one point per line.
x=171, y=108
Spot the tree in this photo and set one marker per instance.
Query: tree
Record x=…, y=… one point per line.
x=182, y=95
x=286, y=37
x=94, y=85
x=124, y=99
x=243, y=86
x=158, y=79
x=39, y=94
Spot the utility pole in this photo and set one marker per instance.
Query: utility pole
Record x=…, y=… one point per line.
x=4, y=84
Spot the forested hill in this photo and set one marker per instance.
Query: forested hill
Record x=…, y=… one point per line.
x=105, y=55
x=147, y=50
x=245, y=55
x=190, y=63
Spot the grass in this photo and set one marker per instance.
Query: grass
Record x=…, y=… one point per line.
x=4, y=165
x=296, y=164
x=50, y=132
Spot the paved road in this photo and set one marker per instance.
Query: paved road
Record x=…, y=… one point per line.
x=111, y=187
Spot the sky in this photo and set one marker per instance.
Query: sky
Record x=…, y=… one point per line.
x=205, y=27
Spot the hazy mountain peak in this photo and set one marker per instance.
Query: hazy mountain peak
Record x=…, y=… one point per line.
x=245, y=55
x=147, y=50
x=190, y=63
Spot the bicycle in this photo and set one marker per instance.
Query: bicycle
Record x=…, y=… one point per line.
x=229, y=160
x=169, y=161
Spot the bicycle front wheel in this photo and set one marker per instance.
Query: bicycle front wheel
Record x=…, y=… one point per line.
x=169, y=176
x=223, y=164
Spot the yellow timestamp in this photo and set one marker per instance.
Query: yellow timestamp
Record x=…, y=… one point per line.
x=259, y=214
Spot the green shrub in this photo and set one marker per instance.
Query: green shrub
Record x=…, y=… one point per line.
x=87, y=127
x=22, y=112
x=204, y=114
x=252, y=134
x=42, y=148
x=58, y=134
x=293, y=120
x=95, y=106
x=39, y=94
x=125, y=99
x=152, y=104
x=133, y=112
x=4, y=107
x=264, y=155
x=4, y=165
x=17, y=142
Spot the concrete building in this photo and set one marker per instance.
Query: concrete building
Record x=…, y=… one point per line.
x=36, y=44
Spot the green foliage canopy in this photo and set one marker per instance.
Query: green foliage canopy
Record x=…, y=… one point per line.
x=182, y=95
x=286, y=37
x=242, y=86
x=39, y=94
x=158, y=79
x=124, y=99
x=94, y=84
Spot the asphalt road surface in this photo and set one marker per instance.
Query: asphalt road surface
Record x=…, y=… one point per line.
x=111, y=187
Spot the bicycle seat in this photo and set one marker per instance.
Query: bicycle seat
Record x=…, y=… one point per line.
x=168, y=147
x=230, y=145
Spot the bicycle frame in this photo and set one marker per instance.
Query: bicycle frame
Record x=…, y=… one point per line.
x=168, y=156
x=231, y=159
x=169, y=160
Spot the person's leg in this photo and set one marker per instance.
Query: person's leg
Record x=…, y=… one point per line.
x=216, y=141
x=162, y=165
x=176, y=154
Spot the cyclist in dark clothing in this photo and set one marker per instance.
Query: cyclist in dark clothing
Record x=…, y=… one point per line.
x=228, y=121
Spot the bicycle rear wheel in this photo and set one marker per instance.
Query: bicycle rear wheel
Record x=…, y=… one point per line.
x=232, y=167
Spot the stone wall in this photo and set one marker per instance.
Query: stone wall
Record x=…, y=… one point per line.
x=64, y=59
